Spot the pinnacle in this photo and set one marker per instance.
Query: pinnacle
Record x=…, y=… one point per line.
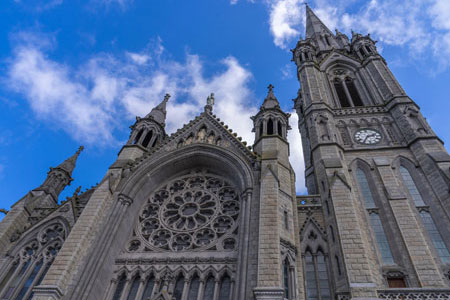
x=159, y=112
x=69, y=164
x=271, y=101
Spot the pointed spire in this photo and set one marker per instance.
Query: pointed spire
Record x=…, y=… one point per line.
x=271, y=101
x=69, y=164
x=314, y=26
x=159, y=112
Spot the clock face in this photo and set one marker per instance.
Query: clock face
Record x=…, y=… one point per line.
x=368, y=136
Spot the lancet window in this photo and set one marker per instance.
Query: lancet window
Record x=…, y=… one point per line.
x=182, y=286
x=317, y=277
x=346, y=89
x=31, y=263
x=374, y=218
x=427, y=219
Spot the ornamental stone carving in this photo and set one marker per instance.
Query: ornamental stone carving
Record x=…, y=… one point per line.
x=197, y=211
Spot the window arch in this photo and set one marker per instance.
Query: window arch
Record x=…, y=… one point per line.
x=270, y=127
x=138, y=136
x=120, y=286
x=354, y=95
x=148, y=290
x=32, y=261
x=134, y=287
x=374, y=218
x=225, y=287
x=427, y=219
x=147, y=139
x=178, y=290
x=194, y=288
x=340, y=91
x=279, y=129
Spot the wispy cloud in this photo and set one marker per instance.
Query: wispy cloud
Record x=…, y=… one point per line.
x=39, y=5
x=422, y=28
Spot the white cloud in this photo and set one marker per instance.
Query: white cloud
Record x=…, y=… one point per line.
x=88, y=101
x=285, y=16
x=296, y=151
x=39, y=5
x=420, y=27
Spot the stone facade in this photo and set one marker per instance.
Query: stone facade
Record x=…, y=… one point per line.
x=201, y=215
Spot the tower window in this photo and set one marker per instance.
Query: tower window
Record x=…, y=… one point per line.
x=341, y=93
x=368, y=49
x=261, y=129
x=286, y=220
x=138, y=136
x=280, y=129
x=286, y=279
x=147, y=138
x=361, y=51
x=270, y=127
x=353, y=92
x=338, y=265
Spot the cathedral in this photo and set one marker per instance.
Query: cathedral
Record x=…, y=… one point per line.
x=201, y=215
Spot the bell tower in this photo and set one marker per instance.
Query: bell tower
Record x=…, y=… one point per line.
x=382, y=174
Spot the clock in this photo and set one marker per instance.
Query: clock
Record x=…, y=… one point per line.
x=367, y=136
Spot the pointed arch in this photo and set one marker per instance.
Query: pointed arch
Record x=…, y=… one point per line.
x=138, y=136
x=147, y=138
x=270, y=126
x=341, y=94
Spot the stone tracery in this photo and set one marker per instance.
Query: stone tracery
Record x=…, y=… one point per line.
x=197, y=211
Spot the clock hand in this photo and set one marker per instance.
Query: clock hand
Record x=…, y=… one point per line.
x=368, y=136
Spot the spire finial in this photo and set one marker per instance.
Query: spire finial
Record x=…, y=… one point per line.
x=81, y=148
x=166, y=97
x=270, y=87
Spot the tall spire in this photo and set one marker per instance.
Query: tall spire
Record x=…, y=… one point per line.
x=159, y=112
x=69, y=164
x=271, y=101
x=314, y=26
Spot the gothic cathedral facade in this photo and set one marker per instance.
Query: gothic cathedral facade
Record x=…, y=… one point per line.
x=200, y=215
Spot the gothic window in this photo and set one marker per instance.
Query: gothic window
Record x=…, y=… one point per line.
x=317, y=278
x=333, y=238
x=436, y=237
x=138, y=136
x=178, y=291
x=148, y=288
x=286, y=220
x=286, y=279
x=361, y=51
x=426, y=217
x=280, y=129
x=193, y=288
x=342, y=96
x=154, y=142
x=327, y=39
x=29, y=282
x=225, y=287
x=270, y=127
x=411, y=186
x=31, y=263
x=147, y=138
x=374, y=218
x=120, y=286
x=261, y=129
x=338, y=265
x=353, y=92
x=368, y=49
x=134, y=288
x=209, y=289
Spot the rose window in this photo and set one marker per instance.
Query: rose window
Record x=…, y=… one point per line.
x=193, y=212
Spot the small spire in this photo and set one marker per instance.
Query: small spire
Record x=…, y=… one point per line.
x=69, y=164
x=159, y=112
x=210, y=103
x=271, y=101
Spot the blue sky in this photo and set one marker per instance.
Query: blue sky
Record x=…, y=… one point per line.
x=78, y=72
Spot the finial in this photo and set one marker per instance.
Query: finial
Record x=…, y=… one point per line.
x=270, y=87
x=81, y=148
x=210, y=103
x=166, y=97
